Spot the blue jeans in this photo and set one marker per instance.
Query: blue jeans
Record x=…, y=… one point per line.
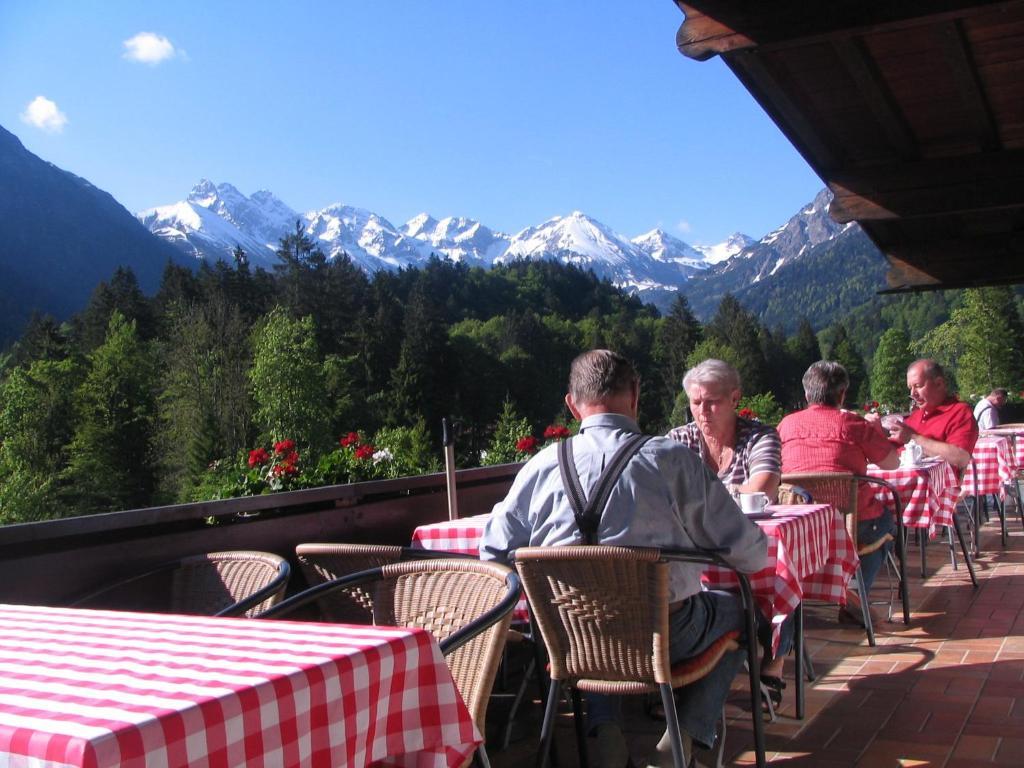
x=868, y=532
x=700, y=621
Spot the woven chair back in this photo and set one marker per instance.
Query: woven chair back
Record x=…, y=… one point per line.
x=442, y=596
x=208, y=583
x=836, y=488
x=325, y=562
x=603, y=614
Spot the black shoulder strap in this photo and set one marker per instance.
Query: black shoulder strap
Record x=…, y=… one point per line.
x=588, y=513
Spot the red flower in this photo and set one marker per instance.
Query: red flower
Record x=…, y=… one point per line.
x=285, y=468
x=557, y=432
x=527, y=444
x=258, y=457
x=352, y=438
x=284, y=446
x=365, y=451
x=746, y=413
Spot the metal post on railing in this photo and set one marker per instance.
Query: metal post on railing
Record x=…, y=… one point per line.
x=448, y=440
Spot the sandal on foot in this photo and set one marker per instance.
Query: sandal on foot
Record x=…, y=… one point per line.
x=773, y=687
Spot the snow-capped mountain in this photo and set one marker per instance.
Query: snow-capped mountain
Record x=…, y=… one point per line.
x=217, y=218
x=666, y=249
x=457, y=239
x=736, y=242
x=371, y=241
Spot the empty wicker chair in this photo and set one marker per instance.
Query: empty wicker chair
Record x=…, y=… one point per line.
x=840, y=490
x=326, y=562
x=465, y=603
x=214, y=584
x=603, y=613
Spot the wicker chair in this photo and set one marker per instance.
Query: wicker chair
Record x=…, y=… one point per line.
x=214, y=584
x=321, y=563
x=840, y=490
x=465, y=603
x=603, y=614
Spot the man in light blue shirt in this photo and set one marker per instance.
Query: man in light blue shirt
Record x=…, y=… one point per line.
x=665, y=497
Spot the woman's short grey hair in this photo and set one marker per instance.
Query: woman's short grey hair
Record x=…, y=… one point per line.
x=825, y=382
x=717, y=374
x=599, y=374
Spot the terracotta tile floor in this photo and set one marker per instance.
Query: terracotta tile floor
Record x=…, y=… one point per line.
x=947, y=690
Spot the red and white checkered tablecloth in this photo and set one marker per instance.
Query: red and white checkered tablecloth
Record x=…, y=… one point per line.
x=928, y=492
x=96, y=689
x=462, y=536
x=991, y=465
x=810, y=556
x=1016, y=438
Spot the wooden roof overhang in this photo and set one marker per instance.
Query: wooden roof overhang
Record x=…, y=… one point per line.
x=911, y=111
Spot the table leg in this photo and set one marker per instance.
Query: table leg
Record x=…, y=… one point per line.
x=963, y=548
x=798, y=650
x=922, y=537
x=1001, y=509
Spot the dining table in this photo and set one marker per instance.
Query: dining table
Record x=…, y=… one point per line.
x=810, y=556
x=990, y=472
x=98, y=689
x=928, y=492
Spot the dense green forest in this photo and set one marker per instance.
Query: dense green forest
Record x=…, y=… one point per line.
x=232, y=381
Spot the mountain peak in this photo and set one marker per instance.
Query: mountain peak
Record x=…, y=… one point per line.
x=204, y=193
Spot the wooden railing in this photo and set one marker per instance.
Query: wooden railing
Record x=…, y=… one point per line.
x=50, y=562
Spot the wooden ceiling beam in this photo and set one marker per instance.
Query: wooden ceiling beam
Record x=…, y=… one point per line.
x=713, y=27
x=751, y=70
x=871, y=86
x=954, y=42
x=938, y=187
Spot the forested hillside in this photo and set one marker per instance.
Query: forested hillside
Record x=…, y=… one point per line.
x=232, y=381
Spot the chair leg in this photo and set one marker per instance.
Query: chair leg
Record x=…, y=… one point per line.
x=547, y=730
x=581, y=729
x=480, y=757
x=517, y=702
x=922, y=539
x=864, y=609
x=901, y=555
x=809, y=672
x=668, y=701
x=963, y=548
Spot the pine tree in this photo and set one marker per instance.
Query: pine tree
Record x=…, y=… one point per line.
x=677, y=336
x=734, y=327
x=843, y=351
x=36, y=422
x=109, y=465
x=803, y=347
x=889, y=370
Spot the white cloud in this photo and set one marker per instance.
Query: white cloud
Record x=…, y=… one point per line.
x=149, y=48
x=44, y=114
x=683, y=226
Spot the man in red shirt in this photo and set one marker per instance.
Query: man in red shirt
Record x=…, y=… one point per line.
x=825, y=438
x=942, y=425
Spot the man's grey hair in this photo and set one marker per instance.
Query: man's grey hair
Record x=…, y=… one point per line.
x=931, y=369
x=999, y=392
x=717, y=374
x=824, y=383
x=599, y=374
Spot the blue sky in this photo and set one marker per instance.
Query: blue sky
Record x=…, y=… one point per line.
x=509, y=113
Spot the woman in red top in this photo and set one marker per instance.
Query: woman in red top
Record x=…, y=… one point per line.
x=825, y=438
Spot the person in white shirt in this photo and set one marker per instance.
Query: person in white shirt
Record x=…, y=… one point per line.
x=986, y=412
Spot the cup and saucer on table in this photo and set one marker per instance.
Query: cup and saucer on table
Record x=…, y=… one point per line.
x=754, y=505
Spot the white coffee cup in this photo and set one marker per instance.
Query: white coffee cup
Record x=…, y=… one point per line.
x=912, y=454
x=753, y=503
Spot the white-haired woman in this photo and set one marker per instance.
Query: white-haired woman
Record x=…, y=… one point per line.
x=746, y=455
